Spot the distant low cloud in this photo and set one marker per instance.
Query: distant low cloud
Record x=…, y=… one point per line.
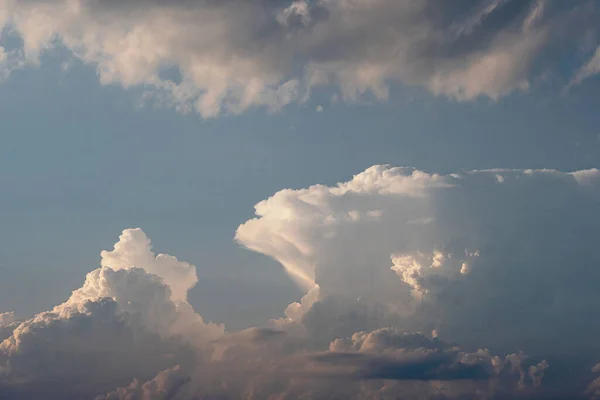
x=259, y=364
x=227, y=56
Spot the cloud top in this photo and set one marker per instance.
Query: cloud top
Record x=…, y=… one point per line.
x=134, y=249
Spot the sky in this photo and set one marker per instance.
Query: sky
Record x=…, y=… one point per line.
x=365, y=198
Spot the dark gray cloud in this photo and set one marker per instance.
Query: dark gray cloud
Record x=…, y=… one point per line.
x=430, y=366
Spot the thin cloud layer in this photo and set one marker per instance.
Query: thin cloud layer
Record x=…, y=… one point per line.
x=227, y=56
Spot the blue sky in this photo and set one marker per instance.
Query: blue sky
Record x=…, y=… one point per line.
x=358, y=185
x=81, y=162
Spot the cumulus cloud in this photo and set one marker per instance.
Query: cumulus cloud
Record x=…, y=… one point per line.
x=166, y=385
x=505, y=264
x=7, y=324
x=124, y=327
x=122, y=323
x=7, y=318
x=593, y=389
x=262, y=363
x=135, y=249
x=399, y=356
x=226, y=56
x=501, y=272
x=79, y=352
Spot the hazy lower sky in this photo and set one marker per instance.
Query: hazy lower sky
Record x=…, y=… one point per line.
x=179, y=117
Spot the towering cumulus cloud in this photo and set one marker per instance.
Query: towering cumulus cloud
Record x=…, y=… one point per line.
x=475, y=285
x=125, y=321
x=134, y=249
x=502, y=259
x=225, y=56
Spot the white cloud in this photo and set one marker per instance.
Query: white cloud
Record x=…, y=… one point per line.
x=593, y=389
x=590, y=177
x=231, y=55
x=7, y=326
x=134, y=249
x=122, y=323
x=123, y=326
x=524, y=248
x=505, y=266
x=417, y=270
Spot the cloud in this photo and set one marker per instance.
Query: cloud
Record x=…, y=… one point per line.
x=590, y=69
x=227, y=56
x=122, y=323
x=166, y=385
x=124, y=327
x=383, y=259
x=79, y=352
x=382, y=354
x=593, y=389
x=258, y=363
x=507, y=265
x=135, y=249
x=7, y=324
x=7, y=318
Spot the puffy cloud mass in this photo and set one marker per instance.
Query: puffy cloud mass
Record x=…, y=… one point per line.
x=500, y=259
x=226, y=56
x=7, y=318
x=134, y=248
x=476, y=285
x=124, y=321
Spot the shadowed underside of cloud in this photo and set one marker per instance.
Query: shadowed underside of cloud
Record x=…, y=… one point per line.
x=494, y=262
x=226, y=56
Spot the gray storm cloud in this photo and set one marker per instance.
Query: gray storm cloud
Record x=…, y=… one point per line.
x=227, y=56
x=500, y=267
